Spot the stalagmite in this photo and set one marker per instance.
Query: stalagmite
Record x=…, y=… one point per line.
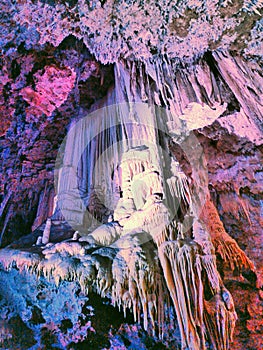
x=76, y=236
x=46, y=233
x=39, y=240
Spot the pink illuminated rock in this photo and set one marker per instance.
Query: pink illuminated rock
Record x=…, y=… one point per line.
x=51, y=90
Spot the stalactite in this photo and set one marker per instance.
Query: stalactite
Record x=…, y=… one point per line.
x=184, y=265
x=20, y=259
x=138, y=283
x=225, y=246
x=238, y=78
x=183, y=278
x=179, y=188
x=220, y=319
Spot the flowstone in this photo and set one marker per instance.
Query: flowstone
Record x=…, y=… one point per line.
x=149, y=231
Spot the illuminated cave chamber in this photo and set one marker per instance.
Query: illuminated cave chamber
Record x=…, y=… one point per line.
x=153, y=229
x=131, y=180
x=145, y=176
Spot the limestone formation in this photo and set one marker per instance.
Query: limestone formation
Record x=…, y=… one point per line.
x=134, y=129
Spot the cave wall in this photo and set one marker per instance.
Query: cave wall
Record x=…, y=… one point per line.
x=234, y=178
x=42, y=91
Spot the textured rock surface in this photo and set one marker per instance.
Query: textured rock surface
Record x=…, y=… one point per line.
x=141, y=29
x=199, y=59
x=44, y=90
x=234, y=175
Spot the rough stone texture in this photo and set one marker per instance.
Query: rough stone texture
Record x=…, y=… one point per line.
x=42, y=91
x=235, y=174
x=140, y=29
x=51, y=73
